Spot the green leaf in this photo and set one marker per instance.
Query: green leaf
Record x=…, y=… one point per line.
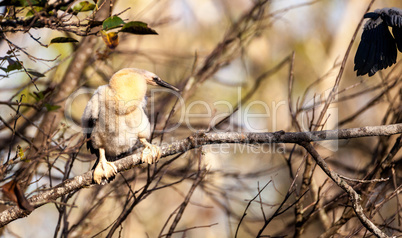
x=112, y=22
x=83, y=6
x=35, y=73
x=50, y=107
x=63, y=8
x=138, y=28
x=13, y=65
x=62, y=40
x=37, y=96
x=34, y=9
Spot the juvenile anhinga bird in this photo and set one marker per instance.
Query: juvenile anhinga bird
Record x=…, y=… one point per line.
x=377, y=48
x=114, y=120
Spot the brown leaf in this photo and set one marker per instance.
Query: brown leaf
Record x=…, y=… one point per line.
x=111, y=39
x=13, y=191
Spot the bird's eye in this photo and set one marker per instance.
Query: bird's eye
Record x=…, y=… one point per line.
x=155, y=78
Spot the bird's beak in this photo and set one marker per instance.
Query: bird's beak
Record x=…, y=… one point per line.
x=160, y=82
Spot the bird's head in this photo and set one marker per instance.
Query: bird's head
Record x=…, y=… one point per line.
x=156, y=81
x=131, y=83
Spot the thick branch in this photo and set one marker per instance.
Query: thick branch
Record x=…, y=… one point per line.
x=195, y=141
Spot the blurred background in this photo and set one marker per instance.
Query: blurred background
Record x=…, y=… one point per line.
x=222, y=54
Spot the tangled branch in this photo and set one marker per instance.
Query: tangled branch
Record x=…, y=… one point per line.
x=207, y=138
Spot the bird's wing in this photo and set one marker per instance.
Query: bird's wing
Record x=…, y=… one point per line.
x=376, y=50
x=392, y=16
x=89, y=120
x=394, y=20
x=397, y=32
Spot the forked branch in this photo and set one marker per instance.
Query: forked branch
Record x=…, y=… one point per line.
x=203, y=138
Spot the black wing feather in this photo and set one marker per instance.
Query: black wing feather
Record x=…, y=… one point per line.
x=393, y=18
x=397, y=32
x=366, y=52
x=377, y=49
x=362, y=53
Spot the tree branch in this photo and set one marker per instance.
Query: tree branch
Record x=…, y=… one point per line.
x=353, y=195
x=195, y=141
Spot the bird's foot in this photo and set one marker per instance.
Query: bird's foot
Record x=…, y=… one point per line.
x=104, y=170
x=151, y=153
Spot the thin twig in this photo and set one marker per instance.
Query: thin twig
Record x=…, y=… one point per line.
x=195, y=141
x=353, y=196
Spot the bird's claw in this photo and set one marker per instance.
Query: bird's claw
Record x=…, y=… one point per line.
x=105, y=170
x=151, y=154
